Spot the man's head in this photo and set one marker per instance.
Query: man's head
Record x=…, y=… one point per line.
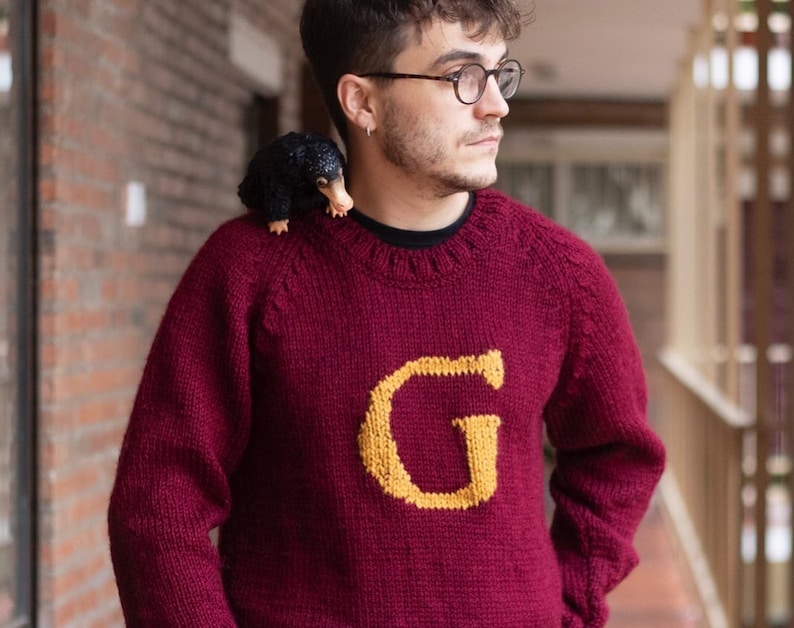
x=365, y=36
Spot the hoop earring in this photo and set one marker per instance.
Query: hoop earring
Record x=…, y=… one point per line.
x=369, y=131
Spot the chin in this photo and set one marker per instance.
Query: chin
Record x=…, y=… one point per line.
x=466, y=179
x=463, y=184
x=484, y=180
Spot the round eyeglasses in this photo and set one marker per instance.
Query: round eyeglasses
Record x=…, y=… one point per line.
x=470, y=81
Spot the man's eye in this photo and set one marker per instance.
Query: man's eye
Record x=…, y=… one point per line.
x=321, y=182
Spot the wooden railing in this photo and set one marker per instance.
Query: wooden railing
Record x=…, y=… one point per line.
x=711, y=489
x=702, y=489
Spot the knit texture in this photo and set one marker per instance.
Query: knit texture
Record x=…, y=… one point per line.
x=365, y=424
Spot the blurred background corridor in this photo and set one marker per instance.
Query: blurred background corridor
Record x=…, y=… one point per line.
x=661, y=132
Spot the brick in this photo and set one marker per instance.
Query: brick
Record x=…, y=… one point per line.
x=73, y=608
x=110, y=617
x=54, y=453
x=67, y=482
x=66, y=289
x=94, y=412
x=81, y=510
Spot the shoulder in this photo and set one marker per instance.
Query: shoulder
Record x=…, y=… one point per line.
x=546, y=244
x=568, y=270
x=243, y=234
x=242, y=250
x=233, y=246
x=531, y=226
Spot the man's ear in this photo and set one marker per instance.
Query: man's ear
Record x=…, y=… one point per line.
x=358, y=101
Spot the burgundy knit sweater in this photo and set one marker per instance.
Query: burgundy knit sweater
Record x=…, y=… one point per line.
x=365, y=425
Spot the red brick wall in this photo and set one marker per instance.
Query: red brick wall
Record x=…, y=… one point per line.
x=130, y=90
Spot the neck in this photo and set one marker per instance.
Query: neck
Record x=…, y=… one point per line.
x=391, y=198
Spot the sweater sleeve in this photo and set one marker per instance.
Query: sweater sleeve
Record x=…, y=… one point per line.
x=608, y=460
x=187, y=430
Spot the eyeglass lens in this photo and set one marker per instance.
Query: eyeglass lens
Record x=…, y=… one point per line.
x=473, y=78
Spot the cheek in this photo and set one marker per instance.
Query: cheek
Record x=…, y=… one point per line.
x=422, y=113
x=433, y=147
x=439, y=135
x=425, y=135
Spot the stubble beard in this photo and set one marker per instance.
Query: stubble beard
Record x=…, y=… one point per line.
x=416, y=152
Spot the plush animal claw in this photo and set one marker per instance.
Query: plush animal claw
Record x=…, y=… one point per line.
x=335, y=212
x=278, y=226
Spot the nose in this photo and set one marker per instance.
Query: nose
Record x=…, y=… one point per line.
x=492, y=103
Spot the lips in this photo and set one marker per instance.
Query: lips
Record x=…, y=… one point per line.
x=492, y=137
x=488, y=140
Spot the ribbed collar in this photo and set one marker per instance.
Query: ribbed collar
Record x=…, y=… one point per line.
x=475, y=237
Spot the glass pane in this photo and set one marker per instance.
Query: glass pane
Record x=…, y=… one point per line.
x=531, y=183
x=616, y=202
x=8, y=319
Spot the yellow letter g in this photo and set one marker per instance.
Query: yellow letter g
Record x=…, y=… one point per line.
x=379, y=449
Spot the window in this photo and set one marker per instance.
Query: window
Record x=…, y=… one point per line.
x=607, y=185
x=16, y=313
x=261, y=123
x=532, y=184
x=615, y=206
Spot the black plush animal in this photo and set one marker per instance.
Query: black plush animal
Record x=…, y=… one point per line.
x=294, y=172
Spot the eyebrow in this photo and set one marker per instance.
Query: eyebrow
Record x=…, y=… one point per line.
x=461, y=55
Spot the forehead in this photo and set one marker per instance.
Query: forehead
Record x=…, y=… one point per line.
x=441, y=42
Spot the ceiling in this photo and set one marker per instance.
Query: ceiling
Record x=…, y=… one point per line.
x=605, y=49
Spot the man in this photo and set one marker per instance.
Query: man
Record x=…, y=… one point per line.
x=359, y=404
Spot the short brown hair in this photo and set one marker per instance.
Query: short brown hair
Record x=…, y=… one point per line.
x=361, y=36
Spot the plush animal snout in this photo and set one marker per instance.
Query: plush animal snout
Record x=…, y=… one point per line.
x=339, y=201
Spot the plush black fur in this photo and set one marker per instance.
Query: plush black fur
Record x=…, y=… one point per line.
x=282, y=176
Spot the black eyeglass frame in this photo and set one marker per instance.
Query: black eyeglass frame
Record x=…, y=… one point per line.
x=454, y=78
